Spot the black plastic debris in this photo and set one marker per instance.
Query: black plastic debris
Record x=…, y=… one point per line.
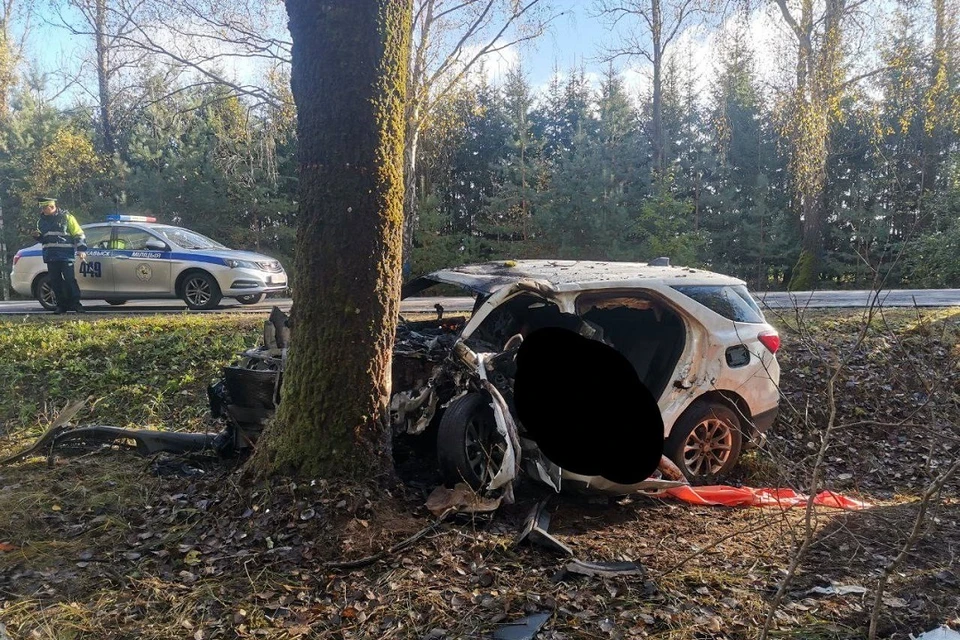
x=536, y=530
x=604, y=569
x=522, y=629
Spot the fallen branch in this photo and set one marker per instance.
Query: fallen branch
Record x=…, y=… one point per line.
x=50, y=436
x=718, y=542
x=400, y=546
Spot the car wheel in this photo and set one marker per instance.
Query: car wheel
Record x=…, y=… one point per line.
x=705, y=442
x=201, y=291
x=45, y=294
x=253, y=298
x=469, y=447
x=116, y=302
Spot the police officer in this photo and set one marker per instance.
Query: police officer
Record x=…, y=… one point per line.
x=63, y=240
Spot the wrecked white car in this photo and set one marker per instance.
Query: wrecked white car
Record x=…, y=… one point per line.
x=697, y=340
x=611, y=377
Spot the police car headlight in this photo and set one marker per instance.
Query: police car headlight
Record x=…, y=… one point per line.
x=240, y=264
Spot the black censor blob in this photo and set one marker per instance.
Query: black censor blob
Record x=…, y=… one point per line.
x=583, y=404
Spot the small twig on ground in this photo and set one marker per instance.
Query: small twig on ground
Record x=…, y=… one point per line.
x=932, y=490
x=400, y=546
x=739, y=532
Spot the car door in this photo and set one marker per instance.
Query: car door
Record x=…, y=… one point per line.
x=139, y=271
x=95, y=275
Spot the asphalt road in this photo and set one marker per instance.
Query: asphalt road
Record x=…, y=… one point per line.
x=28, y=307
x=773, y=300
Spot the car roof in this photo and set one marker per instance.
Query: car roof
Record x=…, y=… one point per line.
x=128, y=223
x=568, y=275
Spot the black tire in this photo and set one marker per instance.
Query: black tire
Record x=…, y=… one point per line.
x=253, y=298
x=115, y=301
x=469, y=448
x=705, y=442
x=44, y=293
x=200, y=291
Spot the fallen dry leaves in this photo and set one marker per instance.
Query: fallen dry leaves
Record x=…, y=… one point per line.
x=182, y=549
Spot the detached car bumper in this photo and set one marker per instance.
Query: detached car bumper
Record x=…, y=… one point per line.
x=763, y=421
x=761, y=424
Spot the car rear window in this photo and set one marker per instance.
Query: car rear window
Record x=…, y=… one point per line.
x=733, y=302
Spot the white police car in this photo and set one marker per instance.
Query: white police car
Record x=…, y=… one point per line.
x=133, y=257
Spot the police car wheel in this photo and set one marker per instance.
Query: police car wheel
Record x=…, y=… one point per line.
x=115, y=301
x=201, y=291
x=45, y=294
x=253, y=298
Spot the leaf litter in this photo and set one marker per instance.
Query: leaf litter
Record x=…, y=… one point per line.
x=132, y=552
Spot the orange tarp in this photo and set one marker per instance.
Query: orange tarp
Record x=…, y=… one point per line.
x=728, y=496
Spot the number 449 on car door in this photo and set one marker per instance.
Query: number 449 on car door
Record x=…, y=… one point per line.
x=91, y=269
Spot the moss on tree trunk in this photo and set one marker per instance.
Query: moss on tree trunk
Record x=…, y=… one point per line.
x=349, y=84
x=805, y=275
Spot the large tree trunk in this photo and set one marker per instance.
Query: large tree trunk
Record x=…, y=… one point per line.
x=411, y=217
x=417, y=94
x=7, y=71
x=659, y=144
x=806, y=273
x=937, y=101
x=103, y=79
x=816, y=92
x=4, y=278
x=349, y=82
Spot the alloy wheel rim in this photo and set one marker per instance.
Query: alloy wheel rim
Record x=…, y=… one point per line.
x=708, y=447
x=47, y=294
x=483, y=456
x=198, y=291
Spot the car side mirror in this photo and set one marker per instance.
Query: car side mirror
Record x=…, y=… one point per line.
x=155, y=245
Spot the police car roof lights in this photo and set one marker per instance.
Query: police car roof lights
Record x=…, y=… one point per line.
x=116, y=217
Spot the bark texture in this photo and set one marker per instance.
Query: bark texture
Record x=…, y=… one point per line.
x=349, y=84
x=103, y=78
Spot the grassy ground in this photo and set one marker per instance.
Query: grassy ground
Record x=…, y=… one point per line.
x=136, y=371
x=106, y=545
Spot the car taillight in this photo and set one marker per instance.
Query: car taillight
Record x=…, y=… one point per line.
x=770, y=340
x=16, y=258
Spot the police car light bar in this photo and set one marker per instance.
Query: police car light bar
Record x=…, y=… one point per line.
x=119, y=218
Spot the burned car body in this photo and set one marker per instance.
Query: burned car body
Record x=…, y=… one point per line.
x=696, y=340
x=695, y=343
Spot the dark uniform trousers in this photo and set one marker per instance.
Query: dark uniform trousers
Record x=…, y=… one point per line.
x=64, y=283
x=61, y=237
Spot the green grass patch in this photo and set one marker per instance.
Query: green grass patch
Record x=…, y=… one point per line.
x=136, y=371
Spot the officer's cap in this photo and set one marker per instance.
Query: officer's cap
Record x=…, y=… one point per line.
x=43, y=202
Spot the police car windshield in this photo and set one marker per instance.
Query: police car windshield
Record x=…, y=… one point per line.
x=187, y=239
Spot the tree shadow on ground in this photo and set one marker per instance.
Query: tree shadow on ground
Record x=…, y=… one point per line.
x=855, y=547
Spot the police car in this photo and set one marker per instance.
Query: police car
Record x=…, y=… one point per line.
x=135, y=258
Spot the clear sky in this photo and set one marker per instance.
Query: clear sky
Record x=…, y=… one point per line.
x=579, y=37
x=575, y=37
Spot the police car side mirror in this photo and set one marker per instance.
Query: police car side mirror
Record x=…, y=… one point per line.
x=155, y=245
